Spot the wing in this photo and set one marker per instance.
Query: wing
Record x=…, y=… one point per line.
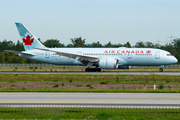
x=74, y=55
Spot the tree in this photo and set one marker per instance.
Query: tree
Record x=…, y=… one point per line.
x=108, y=44
x=78, y=42
x=7, y=45
x=53, y=43
x=40, y=40
x=140, y=44
x=157, y=45
x=70, y=45
x=96, y=44
x=128, y=45
x=19, y=46
x=118, y=45
x=176, y=43
x=149, y=45
x=16, y=59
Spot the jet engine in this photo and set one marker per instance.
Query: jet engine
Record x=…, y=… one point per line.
x=108, y=63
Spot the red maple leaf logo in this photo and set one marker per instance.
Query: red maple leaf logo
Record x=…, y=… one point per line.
x=28, y=40
x=148, y=51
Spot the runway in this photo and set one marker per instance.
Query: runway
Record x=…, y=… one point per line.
x=95, y=100
x=94, y=73
x=98, y=98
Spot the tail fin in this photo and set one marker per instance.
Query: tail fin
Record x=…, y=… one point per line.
x=29, y=40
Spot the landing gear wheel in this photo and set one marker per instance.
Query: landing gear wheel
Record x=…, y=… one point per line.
x=160, y=70
x=98, y=69
x=87, y=70
x=93, y=70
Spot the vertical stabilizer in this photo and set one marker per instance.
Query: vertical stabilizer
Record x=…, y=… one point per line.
x=29, y=40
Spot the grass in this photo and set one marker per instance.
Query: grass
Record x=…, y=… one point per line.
x=56, y=86
x=79, y=85
x=88, y=78
x=89, y=113
x=82, y=82
x=88, y=85
x=95, y=91
x=103, y=82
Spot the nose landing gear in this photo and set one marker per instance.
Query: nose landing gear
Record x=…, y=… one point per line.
x=161, y=68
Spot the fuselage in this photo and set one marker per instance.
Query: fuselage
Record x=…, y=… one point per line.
x=125, y=56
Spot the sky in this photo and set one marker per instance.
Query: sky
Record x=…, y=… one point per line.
x=117, y=21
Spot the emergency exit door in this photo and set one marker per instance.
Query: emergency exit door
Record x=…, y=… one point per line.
x=47, y=54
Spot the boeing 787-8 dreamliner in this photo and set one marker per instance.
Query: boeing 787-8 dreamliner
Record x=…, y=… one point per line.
x=105, y=58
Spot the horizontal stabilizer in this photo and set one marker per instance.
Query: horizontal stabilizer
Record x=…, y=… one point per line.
x=28, y=54
x=19, y=52
x=15, y=52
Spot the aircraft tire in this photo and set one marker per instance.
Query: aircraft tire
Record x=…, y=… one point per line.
x=87, y=69
x=93, y=70
x=98, y=69
x=160, y=70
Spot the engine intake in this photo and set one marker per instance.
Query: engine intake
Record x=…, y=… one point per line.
x=108, y=63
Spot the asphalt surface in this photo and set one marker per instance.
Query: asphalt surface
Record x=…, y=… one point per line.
x=92, y=98
x=94, y=73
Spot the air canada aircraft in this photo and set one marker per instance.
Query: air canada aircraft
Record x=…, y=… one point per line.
x=105, y=58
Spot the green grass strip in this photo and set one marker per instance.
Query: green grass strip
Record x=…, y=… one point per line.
x=89, y=113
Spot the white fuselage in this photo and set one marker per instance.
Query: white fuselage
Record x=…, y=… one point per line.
x=126, y=56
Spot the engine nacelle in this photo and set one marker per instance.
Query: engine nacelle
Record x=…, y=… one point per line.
x=108, y=63
x=124, y=67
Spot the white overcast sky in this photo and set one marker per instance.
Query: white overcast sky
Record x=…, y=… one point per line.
x=118, y=21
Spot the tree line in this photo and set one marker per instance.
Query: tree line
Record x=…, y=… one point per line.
x=173, y=47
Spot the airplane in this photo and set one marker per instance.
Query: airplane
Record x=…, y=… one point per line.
x=101, y=58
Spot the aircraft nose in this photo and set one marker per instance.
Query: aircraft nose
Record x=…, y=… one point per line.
x=175, y=60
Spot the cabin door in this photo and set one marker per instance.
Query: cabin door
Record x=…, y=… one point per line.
x=129, y=55
x=157, y=55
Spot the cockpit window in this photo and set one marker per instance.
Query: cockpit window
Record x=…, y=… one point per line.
x=169, y=55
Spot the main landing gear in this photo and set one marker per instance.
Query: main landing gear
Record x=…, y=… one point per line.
x=93, y=69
